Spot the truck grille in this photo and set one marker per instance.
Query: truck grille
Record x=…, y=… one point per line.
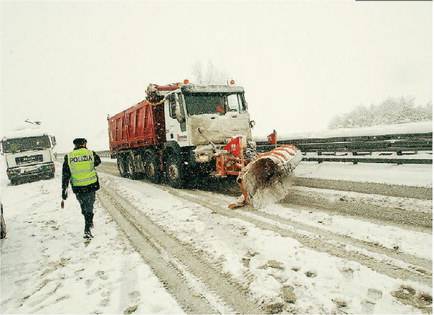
x=29, y=159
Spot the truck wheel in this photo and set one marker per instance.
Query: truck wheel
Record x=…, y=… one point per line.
x=152, y=168
x=130, y=169
x=174, y=171
x=121, y=166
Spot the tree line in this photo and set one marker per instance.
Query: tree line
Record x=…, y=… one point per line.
x=390, y=111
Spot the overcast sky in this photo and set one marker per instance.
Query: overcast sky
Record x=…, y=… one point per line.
x=69, y=64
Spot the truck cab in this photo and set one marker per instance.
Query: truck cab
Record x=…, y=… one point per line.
x=205, y=117
x=28, y=156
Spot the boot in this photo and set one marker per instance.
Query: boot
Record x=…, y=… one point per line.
x=87, y=233
x=87, y=224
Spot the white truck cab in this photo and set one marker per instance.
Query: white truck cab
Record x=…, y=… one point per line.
x=28, y=155
x=205, y=117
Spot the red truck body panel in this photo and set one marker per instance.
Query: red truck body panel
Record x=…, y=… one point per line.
x=139, y=126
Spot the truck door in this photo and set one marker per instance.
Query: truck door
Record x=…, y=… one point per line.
x=176, y=120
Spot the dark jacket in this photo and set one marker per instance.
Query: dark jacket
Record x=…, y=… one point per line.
x=66, y=176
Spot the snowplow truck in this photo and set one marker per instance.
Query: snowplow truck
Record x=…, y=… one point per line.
x=182, y=129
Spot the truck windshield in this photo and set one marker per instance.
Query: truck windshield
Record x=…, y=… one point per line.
x=211, y=103
x=26, y=144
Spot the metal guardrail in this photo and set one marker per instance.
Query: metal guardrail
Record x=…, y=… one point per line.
x=105, y=153
x=356, y=148
x=381, y=143
x=356, y=160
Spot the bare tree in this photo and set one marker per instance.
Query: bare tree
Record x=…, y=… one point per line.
x=198, y=72
x=210, y=75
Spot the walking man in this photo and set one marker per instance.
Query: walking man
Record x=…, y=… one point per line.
x=79, y=169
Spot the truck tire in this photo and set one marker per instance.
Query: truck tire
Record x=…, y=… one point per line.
x=174, y=171
x=121, y=166
x=152, y=168
x=130, y=169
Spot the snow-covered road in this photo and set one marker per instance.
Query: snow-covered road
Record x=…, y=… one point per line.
x=277, y=255
x=400, y=253
x=47, y=268
x=337, y=255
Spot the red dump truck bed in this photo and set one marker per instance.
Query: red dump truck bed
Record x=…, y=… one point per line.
x=139, y=126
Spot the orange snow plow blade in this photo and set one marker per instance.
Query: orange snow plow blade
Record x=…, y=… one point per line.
x=265, y=171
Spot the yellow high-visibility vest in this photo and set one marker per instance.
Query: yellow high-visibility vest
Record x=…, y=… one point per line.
x=82, y=167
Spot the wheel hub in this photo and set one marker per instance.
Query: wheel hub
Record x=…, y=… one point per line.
x=150, y=170
x=173, y=172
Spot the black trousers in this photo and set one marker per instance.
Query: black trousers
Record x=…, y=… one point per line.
x=86, y=201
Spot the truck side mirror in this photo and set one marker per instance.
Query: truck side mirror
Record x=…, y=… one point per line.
x=252, y=123
x=53, y=140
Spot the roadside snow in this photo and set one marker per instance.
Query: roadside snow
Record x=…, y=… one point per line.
x=409, y=175
x=405, y=128
x=409, y=204
x=47, y=268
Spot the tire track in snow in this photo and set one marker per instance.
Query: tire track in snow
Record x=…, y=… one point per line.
x=177, y=264
x=338, y=250
x=424, y=193
x=370, y=246
x=327, y=234
x=347, y=205
x=168, y=273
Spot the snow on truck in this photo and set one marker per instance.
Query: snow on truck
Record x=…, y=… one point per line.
x=28, y=155
x=182, y=129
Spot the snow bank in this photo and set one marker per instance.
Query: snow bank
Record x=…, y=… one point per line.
x=410, y=175
x=414, y=127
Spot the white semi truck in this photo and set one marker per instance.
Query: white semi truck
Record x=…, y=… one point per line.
x=28, y=155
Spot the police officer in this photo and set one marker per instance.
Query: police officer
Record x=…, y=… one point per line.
x=79, y=169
